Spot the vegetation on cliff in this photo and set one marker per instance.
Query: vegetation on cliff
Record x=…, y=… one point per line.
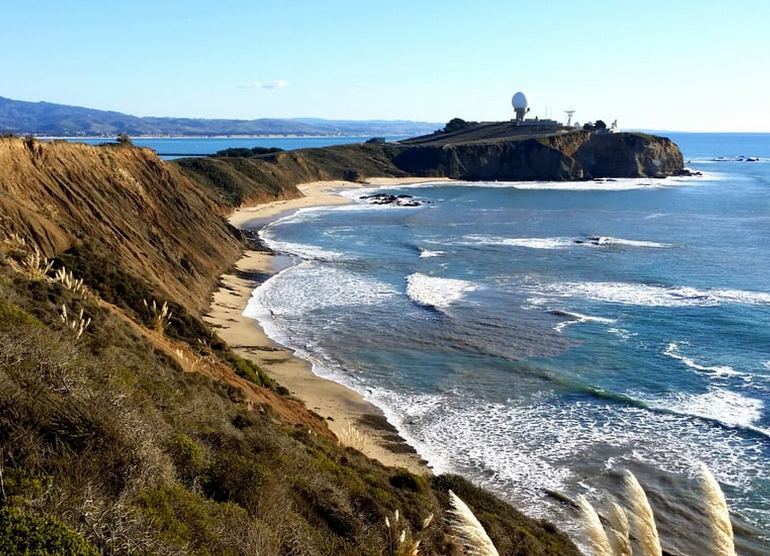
x=463, y=150
x=128, y=427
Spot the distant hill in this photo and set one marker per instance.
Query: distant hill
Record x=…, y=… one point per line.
x=46, y=118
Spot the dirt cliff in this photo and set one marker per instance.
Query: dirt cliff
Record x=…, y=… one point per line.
x=146, y=214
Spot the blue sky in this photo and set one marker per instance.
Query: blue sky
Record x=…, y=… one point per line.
x=676, y=64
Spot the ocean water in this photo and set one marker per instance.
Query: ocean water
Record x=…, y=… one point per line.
x=542, y=337
x=170, y=148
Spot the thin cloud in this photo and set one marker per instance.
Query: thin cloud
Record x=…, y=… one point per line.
x=277, y=84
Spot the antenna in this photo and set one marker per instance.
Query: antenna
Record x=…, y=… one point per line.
x=569, y=114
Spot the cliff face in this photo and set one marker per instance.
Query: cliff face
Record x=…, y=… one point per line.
x=146, y=215
x=629, y=155
x=572, y=156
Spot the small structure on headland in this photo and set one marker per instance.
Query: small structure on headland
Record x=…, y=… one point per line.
x=521, y=108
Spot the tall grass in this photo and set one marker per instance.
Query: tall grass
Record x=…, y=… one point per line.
x=642, y=518
x=401, y=541
x=723, y=543
x=597, y=537
x=36, y=264
x=77, y=323
x=620, y=530
x=354, y=438
x=158, y=315
x=615, y=540
x=467, y=530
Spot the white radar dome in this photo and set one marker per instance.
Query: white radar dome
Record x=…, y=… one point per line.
x=519, y=101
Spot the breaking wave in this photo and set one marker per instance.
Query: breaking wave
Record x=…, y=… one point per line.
x=438, y=293
x=576, y=318
x=653, y=295
x=672, y=350
x=559, y=242
x=309, y=285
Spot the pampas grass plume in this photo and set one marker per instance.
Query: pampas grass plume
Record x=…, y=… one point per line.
x=620, y=532
x=718, y=514
x=468, y=530
x=642, y=517
x=597, y=538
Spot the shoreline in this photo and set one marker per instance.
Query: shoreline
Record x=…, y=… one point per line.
x=340, y=406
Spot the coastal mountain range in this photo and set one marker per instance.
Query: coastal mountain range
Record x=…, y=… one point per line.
x=61, y=120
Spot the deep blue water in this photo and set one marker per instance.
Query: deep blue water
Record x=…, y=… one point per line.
x=506, y=350
x=174, y=147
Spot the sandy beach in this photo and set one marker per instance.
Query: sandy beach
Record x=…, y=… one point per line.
x=339, y=405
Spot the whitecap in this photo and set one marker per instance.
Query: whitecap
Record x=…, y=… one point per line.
x=607, y=240
x=622, y=333
x=301, y=250
x=652, y=295
x=529, y=242
x=719, y=405
x=672, y=350
x=432, y=291
x=558, y=242
x=425, y=253
x=576, y=318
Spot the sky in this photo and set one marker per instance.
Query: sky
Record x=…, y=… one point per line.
x=680, y=65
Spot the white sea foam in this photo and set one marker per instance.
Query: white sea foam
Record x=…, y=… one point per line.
x=604, y=184
x=433, y=291
x=303, y=251
x=652, y=295
x=724, y=406
x=672, y=350
x=529, y=242
x=602, y=240
x=532, y=446
x=766, y=364
x=576, y=318
x=558, y=242
x=309, y=285
x=622, y=333
x=425, y=253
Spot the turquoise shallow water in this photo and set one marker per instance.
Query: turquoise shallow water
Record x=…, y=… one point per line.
x=542, y=337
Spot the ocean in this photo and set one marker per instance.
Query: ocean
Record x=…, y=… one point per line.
x=542, y=337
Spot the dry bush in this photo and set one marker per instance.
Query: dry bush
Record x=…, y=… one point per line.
x=77, y=323
x=67, y=280
x=353, y=438
x=401, y=541
x=36, y=265
x=159, y=316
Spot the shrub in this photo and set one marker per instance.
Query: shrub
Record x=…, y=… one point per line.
x=234, y=478
x=403, y=479
x=34, y=535
x=188, y=456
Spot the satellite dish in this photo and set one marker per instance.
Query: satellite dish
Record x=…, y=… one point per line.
x=520, y=105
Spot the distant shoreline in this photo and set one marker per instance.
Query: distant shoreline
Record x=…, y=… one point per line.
x=178, y=137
